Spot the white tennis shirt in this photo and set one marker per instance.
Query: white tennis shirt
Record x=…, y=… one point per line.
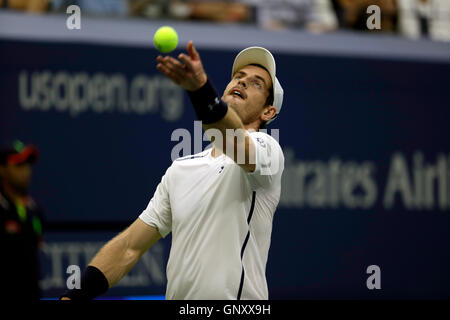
x=220, y=217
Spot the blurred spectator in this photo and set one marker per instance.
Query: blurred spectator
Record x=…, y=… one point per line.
x=314, y=15
x=425, y=18
x=153, y=9
x=212, y=10
x=220, y=11
x=20, y=224
x=352, y=14
x=32, y=6
x=93, y=7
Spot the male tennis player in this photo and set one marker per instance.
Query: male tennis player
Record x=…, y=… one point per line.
x=219, y=206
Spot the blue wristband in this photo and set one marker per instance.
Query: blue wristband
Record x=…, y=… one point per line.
x=207, y=104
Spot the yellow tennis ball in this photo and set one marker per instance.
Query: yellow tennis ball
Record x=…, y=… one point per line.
x=165, y=39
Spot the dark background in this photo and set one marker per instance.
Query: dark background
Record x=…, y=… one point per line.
x=103, y=168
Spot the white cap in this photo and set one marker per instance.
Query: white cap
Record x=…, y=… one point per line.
x=263, y=57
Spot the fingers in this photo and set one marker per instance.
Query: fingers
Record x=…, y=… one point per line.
x=193, y=53
x=172, y=68
x=168, y=73
x=181, y=71
x=186, y=60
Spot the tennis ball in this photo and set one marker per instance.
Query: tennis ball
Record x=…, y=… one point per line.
x=165, y=39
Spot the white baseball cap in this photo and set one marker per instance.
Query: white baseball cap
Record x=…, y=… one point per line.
x=263, y=57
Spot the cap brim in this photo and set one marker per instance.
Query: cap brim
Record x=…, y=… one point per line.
x=28, y=154
x=255, y=55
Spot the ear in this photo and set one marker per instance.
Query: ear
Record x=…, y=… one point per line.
x=268, y=113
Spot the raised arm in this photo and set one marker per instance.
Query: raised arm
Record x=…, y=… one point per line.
x=188, y=73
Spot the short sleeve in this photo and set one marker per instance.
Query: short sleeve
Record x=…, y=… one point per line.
x=269, y=161
x=158, y=212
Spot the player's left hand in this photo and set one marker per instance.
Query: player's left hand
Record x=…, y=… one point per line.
x=187, y=73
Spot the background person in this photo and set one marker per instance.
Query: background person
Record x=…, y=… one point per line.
x=20, y=223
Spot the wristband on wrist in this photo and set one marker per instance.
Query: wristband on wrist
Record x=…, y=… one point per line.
x=93, y=283
x=207, y=104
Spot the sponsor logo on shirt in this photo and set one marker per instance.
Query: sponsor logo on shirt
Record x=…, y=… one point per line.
x=261, y=142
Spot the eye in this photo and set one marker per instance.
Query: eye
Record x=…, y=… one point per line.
x=257, y=84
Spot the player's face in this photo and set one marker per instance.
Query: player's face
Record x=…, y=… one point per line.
x=247, y=92
x=17, y=176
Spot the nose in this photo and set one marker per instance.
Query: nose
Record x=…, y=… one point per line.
x=243, y=83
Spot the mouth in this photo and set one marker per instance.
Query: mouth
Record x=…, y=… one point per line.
x=236, y=92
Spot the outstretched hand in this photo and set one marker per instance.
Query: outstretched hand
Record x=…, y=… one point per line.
x=187, y=73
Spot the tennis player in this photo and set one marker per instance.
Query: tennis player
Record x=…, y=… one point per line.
x=219, y=204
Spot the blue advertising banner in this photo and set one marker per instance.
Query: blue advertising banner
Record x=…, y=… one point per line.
x=365, y=205
x=63, y=254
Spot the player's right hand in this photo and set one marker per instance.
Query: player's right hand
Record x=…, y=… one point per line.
x=187, y=73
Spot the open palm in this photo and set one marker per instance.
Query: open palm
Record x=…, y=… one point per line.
x=187, y=72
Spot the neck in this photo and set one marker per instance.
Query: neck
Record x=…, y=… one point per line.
x=249, y=127
x=254, y=126
x=12, y=193
x=216, y=152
